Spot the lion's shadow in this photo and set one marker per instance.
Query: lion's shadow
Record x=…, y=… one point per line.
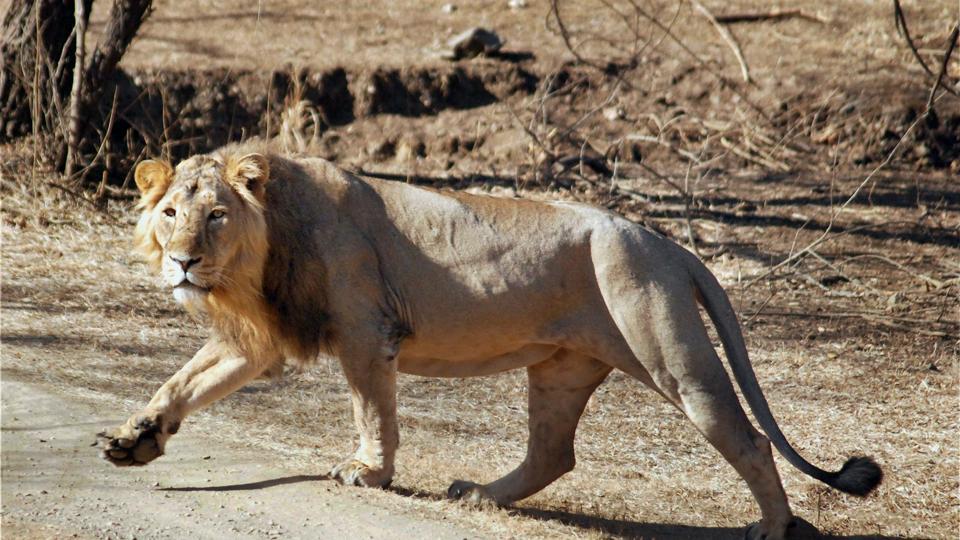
x=588, y=523
x=634, y=529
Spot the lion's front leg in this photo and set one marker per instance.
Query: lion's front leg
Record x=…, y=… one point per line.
x=138, y=441
x=215, y=371
x=372, y=376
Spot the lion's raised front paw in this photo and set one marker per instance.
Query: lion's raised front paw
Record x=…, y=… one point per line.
x=137, y=442
x=471, y=493
x=354, y=472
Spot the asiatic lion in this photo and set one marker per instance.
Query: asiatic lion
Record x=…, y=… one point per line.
x=290, y=257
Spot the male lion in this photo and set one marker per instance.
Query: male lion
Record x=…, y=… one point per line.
x=290, y=257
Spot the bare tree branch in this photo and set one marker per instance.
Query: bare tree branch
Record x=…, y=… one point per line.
x=951, y=44
x=901, y=22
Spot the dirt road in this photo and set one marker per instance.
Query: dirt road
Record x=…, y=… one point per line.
x=55, y=486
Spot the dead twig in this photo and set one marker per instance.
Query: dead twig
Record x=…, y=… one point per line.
x=951, y=44
x=727, y=36
x=104, y=142
x=900, y=21
x=703, y=63
x=75, y=194
x=565, y=36
x=836, y=213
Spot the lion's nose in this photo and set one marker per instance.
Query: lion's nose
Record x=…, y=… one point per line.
x=185, y=262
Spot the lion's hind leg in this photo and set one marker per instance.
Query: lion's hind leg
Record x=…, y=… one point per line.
x=673, y=347
x=711, y=404
x=654, y=307
x=559, y=390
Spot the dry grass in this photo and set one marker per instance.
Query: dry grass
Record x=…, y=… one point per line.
x=80, y=314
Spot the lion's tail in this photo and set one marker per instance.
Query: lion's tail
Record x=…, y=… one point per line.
x=858, y=476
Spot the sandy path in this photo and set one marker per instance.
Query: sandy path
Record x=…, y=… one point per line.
x=55, y=486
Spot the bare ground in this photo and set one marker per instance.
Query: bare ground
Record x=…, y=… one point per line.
x=857, y=350
x=81, y=317
x=54, y=487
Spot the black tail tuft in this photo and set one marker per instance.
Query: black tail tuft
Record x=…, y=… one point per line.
x=858, y=476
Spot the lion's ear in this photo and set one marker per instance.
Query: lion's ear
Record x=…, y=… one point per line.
x=250, y=172
x=153, y=178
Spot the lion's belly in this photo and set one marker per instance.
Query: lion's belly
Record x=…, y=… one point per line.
x=463, y=364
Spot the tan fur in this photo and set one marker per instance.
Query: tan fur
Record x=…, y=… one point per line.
x=389, y=277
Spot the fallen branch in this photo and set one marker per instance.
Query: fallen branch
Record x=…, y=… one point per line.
x=773, y=15
x=121, y=194
x=936, y=283
x=759, y=160
x=728, y=37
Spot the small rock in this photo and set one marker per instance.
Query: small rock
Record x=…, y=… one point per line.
x=614, y=113
x=449, y=8
x=472, y=43
x=517, y=4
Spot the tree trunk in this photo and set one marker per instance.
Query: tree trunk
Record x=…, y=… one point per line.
x=126, y=16
x=37, y=53
x=38, y=46
x=76, y=128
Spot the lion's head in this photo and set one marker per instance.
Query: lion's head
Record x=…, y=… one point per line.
x=202, y=225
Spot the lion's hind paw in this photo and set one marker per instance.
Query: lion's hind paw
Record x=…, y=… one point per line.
x=472, y=494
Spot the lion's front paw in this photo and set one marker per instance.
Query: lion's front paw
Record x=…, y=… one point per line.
x=354, y=472
x=137, y=442
x=471, y=493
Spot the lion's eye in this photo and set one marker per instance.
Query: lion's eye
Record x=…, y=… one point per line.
x=169, y=212
x=217, y=214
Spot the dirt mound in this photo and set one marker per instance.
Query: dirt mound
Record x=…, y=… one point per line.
x=179, y=113
x=415, y=92
x=866, y=124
